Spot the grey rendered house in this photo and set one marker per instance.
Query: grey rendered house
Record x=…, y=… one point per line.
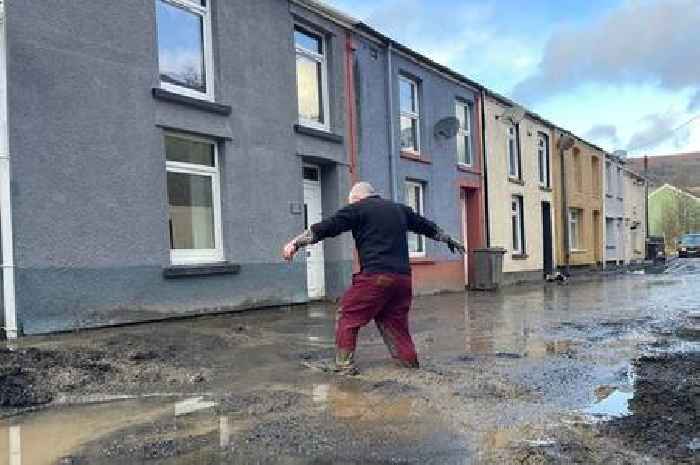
x=156, y=154
x=614, y=206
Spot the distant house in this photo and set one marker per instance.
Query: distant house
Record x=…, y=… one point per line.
x=672, y=213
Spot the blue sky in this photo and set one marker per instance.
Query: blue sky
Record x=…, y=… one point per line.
x=624, y=74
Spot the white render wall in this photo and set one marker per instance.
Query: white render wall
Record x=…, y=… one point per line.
x=635, y=218
x=614, y=230
x=501, y=190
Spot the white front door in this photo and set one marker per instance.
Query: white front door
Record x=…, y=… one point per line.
x=313, y=213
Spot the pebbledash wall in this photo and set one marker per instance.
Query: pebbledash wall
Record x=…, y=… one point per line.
x=86, y=132
x=517, y=199
x=635, y=217
x=452, y=193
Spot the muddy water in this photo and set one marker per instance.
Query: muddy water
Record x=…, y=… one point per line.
x=502, y=372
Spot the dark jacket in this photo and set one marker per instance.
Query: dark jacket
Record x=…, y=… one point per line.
x=379, y=228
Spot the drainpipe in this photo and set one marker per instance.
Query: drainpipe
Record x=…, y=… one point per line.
x=485, y=169
x=646, y=200
x=390, y=105
x=565, y=210
x=350, y=105
x=8, y=264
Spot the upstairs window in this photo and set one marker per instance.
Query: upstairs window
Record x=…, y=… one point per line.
x=620, y=185
x=513, y=152
x=464, y=137
x=312, y=80
x=543, y=158
x=184, y=47
x=414, y=199
x=410, y=115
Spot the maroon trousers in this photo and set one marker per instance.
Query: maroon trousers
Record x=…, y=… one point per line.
x=386, y=299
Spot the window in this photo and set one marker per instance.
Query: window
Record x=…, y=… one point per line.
x=517, y=223
x=414, y=199
x=575, y=225
x=410, y=115
x=513, y=152
x=185, y=58
x=578, y=171
x=464, y=138
x=620, y=180
x=610, y=234
x=312, y=80
x=193, y=200
x=608, y=178
x=543, y=157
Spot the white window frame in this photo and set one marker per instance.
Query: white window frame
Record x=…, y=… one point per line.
x=208, y=52
x=414, y=115
x=579, y=224
x=199, y=256
x=517, y=201
x=321, y=58
x=516, y=153
x=421, y=211
x=544, y=159
x=465, y=109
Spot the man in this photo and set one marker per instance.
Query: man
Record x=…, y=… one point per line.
x=382, y=290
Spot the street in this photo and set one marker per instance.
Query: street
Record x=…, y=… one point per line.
x=598, y=370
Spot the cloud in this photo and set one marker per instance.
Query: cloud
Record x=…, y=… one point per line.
x=642, y=41
x=694, y=104
x=603, y=133
x=658, y=129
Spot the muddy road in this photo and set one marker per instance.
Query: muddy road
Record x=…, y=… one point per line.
x=601, y=371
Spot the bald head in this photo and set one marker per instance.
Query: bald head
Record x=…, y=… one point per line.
x=361, y=191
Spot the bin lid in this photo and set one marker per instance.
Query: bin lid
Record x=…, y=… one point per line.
x=494, y=250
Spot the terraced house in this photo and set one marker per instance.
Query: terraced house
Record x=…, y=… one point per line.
x=520, y=200
x=578, y=195
x=156, y=154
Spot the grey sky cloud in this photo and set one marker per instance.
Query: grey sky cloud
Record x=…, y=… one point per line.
x=642, y=41
x=603, y=133
x=657, y=129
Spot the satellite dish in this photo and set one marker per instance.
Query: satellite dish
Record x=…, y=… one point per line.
x=447, y=128
x=514, y=114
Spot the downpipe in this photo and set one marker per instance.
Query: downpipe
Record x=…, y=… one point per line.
x=6, y=230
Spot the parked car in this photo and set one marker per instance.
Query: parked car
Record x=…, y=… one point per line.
x=689, y=246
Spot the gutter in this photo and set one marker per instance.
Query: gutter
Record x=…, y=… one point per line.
x=392, y=127
x=8, y=263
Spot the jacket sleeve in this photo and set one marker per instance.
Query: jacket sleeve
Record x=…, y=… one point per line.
x=342, y=221
x=420, y=225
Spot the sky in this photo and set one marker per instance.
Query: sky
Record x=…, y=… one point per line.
x=624, y=74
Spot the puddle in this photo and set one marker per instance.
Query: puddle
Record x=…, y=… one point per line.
x=614, y=405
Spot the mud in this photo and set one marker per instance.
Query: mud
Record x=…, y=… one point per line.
x=595, y=372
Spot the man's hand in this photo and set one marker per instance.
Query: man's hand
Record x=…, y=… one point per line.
x=455, y=246
x=289, y=251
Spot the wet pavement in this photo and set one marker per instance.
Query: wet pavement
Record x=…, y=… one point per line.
x=600, y=370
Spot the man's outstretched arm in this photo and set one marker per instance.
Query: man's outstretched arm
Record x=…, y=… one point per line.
x=337, y=224
x=420, y=225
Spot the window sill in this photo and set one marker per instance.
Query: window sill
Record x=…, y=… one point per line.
x=421, y=261
x=517, y=181
x=198, y=270
x=413, y=156
x=519, y=256
x=609, y=196
x=467, y=168
x=620, y=199
x=318, y=133
x=579, y=251
x=545, y=189
x=173, y=97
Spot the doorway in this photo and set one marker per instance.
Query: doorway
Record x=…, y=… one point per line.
x=547, y=258
x=464, y=197
x=313, y=213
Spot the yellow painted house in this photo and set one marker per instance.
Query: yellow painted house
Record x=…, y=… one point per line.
x=578, y=197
